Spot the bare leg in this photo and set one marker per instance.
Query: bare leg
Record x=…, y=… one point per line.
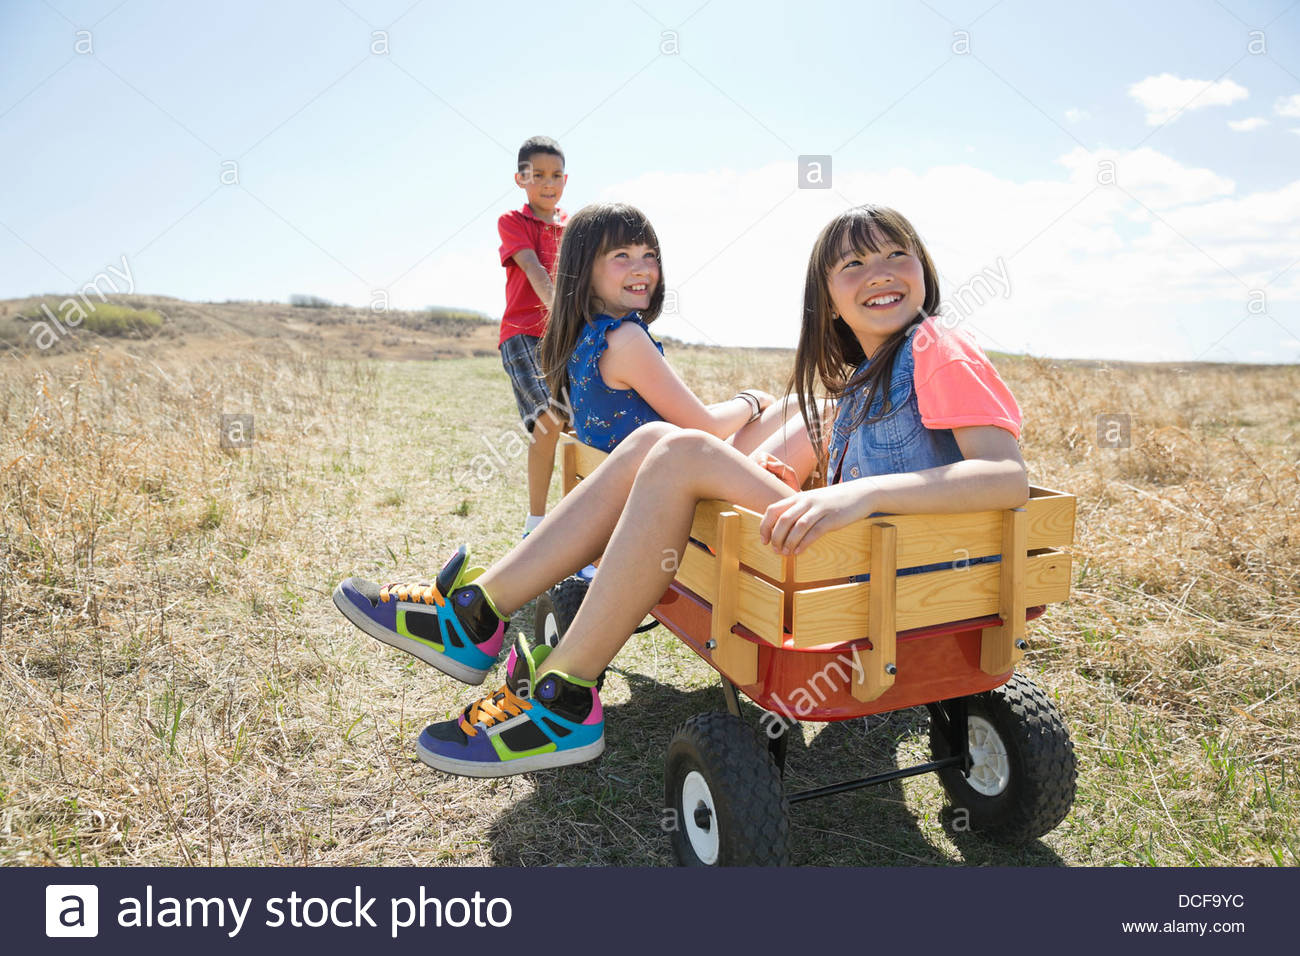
x=541, y=461
x=750, y=436
x=650, y=537
x=576, y=532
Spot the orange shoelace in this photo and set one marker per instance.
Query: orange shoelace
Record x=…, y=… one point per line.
x=493, y=709
x=418, y=593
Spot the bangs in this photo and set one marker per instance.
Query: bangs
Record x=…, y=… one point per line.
x=865, y=229
x=624, y=225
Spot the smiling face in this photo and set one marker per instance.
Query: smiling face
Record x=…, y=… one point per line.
x=543, y=182
x=876, y=293
x=624, y=278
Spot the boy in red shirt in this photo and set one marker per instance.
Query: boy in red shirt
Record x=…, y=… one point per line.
x=530, y=238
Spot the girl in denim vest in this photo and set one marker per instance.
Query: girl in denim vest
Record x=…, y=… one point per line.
x=921, y=423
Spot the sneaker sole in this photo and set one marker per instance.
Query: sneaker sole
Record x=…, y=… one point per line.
x=462, y=672
x=508, y=768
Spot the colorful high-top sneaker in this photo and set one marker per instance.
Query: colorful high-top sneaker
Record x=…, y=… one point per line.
x=534, y=722
x=450, y=624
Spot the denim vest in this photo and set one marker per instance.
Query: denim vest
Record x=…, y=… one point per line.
x=604, y=416
x=898, y=442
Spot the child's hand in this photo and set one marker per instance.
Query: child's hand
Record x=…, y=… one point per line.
x=793, y=523
x=770, y=463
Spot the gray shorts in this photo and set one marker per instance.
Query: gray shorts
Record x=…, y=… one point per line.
x=519, y=357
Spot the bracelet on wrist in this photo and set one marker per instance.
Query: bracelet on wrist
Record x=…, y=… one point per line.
x=752, y=401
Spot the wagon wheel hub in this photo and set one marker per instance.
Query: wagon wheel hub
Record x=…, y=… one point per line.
x=990, y=769
x=698, y=809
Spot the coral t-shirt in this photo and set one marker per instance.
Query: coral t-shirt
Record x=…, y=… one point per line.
x=956, y=384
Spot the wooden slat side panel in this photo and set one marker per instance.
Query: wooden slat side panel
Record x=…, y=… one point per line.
x=931, y=539
x=831, y=615
x=761, y=608
x=839, y=613
x=758, y=556
x=759, y=604
x=836, y=554
x=941, y=596
x=704, y=526
x=699, y=572
x=1051, y=520
x=588, y=458
x=923, y=539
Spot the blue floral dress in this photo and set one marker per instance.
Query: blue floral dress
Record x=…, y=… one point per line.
x=604, y=416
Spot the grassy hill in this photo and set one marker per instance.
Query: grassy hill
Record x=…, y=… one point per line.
x=177, y=688
x=159, y=324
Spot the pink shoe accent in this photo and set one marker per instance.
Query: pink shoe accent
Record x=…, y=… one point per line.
x=492, y=646
x=597, y=711
x=514, y=655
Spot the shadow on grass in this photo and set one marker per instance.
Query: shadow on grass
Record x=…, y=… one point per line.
x=609, y=812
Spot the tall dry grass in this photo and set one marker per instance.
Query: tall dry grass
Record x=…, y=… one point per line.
x=148, y=585
x=1181, y=644
x=175, y=686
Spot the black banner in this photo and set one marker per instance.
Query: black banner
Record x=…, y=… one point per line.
x=200, y=911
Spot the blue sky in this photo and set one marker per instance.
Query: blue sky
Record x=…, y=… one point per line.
x=364, y=173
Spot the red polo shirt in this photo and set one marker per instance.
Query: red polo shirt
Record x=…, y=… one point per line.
x=521, y=229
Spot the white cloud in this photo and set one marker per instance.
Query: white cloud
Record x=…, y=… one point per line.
x=1166, y=95
x=1092, y=271
x=1153, y=178
x=1288, y=105
x=1247, y=125
x=470, y=273
x=1077, y=116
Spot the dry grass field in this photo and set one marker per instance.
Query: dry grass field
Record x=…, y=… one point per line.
x=177, y=688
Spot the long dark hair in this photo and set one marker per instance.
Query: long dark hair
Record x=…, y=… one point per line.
x=829, y=352
x=591, y=232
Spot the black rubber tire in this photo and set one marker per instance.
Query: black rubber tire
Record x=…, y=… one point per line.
x=744, y=785
x=1040, y=759
x=561, y=604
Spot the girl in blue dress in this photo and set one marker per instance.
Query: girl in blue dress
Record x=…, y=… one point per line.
x=598, y=354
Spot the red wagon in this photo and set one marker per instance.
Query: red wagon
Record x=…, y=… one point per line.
x=805, y=638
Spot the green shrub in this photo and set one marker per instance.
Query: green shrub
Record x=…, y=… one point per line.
x=456, y=323
x=102, y=318
x=120, y=320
